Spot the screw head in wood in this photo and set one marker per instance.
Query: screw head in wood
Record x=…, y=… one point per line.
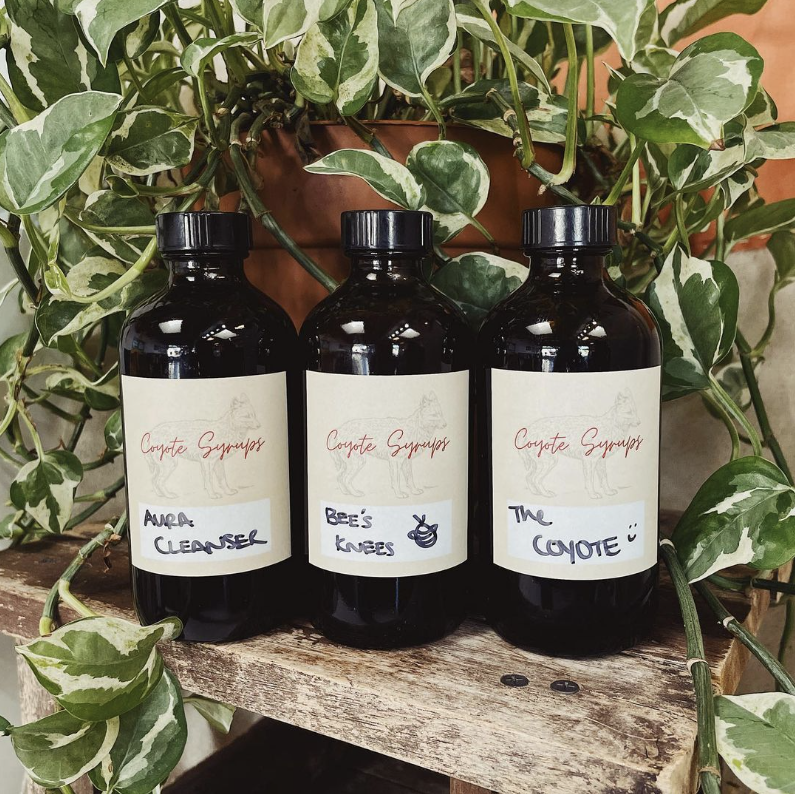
x=514, y=679
x=565, y=686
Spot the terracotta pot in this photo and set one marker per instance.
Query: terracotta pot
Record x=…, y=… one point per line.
x=308, y=206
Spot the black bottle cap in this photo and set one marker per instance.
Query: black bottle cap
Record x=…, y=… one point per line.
x=571, y=226
x=398, y=231
x=203, y=232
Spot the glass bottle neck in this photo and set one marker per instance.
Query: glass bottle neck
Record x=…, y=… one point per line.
x=204, y=269
x=567, y=267
x=386, y=268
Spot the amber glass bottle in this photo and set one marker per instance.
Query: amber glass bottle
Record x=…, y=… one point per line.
x=204, y=371
x=387, y=413
x=570, y=376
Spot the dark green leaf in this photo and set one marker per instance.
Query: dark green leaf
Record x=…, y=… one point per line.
x=151, y=739
x=477, y=282
x=45, y=488
x=744, y=514
x=47, y=60
x=99, y=667
x=695, y=303
x=59, y=749
x=711, y=82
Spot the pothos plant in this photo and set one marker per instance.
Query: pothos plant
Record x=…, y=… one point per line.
x=116, y=111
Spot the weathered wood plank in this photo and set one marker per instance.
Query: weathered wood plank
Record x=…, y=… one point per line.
x=630, y=728
x=459, y=787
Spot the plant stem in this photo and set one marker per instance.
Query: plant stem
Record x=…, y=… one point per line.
x=590, y=81
x=572, y=85
x=764, y=340
x=731, y=624
x=727, y=420
x=172, y=15
x=528, y=153
x=737, y=414
x=457, y=64
x=739, y=585
x=769, y=437
x=708, y=763
x=110, y=534
x=17, y=263
x=263, y=216
x=681, y=222
x=65, y=595
x=367, y=135
x=626, y=172
x=435, y=112
x=109, y=493
x=136, y=81
x=17, y=108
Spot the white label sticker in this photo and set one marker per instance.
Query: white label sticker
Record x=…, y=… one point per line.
x=207, y=473
x=582, y=537
x=196, y=535
x=387, y=536
x=390, y=454
x=575, y=459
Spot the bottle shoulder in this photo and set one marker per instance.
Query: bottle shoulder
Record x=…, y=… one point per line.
x=374, y=315
x=183, y=316
x=599, y=329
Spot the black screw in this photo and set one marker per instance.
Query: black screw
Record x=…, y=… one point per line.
x=565, y=686
x=514, y=679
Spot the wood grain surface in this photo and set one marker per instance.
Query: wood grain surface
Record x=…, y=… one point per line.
x=630, y=728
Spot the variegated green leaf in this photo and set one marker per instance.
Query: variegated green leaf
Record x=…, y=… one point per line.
x=287, y=19
x=456, y=183
x=736, y=186
x=420, y=41
x=337, y=61
x=105, y=209
x=478, y=282
x=764, y=219
x=695, y=303
x=100, y=667
x=45, y=488
x=782, y=246
x=756, y=739
x=151, y=739
x=47, y=59
x=149, y=139
x=42, y=158
x=59, y=749
x=387, y=177
x=777, y=142
x=62, y=317
x=684, y=17
x=200, y=52
x=620, y=18
x=473, y=23
x=101, y=20
x=10, y=351
x=711, y=82
x=762, y=111
x=139, y=35
x=546, y=114
x=691, y=168
x=113, y=432
x=249, y=10
x=102, y=394
x=219, y=715
x=744, y=514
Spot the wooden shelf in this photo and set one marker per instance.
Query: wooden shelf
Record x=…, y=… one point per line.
x=630, y=728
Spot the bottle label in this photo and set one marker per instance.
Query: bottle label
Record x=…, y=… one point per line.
x=575, y=472
x=387, y=459
x=207, y=473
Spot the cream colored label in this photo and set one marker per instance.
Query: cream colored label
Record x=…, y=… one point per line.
x=575, y=472
x=207, y=473
x=387, y=460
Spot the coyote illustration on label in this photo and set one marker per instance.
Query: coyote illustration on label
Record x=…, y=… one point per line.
x=206, y=442
x=396, y=441
x=588, y=439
